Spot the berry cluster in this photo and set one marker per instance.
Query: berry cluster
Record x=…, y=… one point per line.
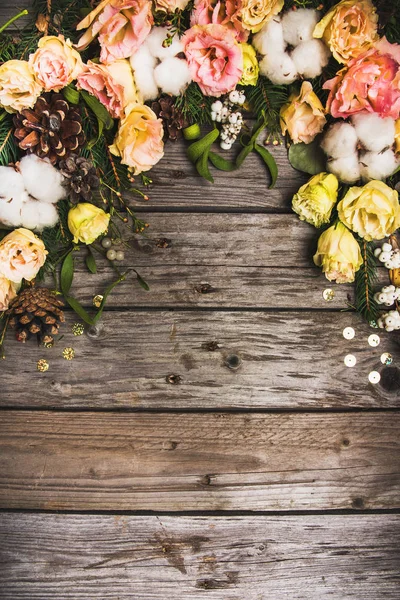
x=389, y=256
x=389, y=321
x=112, y=254
x=388, y=295
x=232, y=120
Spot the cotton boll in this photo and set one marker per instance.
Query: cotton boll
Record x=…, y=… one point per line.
x=10, y=210
x=346, y=168
x=340, y=140
x=38, y=215
x=279, y=68
x=154, y=42
x=41, y=179
x=377, y=165
x=374, y=133
x=270, y=38
x=172, y=76
x=143, y=64
x=310, y=58
x=11, y=183
x=143, y=58
x=298, y=25
x=48, y=215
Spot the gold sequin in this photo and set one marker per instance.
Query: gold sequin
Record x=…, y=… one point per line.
x=348, y=333
x=328, y=294
x=374, y=340
x=42, y=365
x=68, y=353
x=97, y=300
x=78, y=329
x=350, y=360
x=386, y=358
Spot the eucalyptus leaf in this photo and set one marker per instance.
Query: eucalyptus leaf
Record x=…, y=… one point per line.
x=67, y=273
x=196, y=149
x=269, y=161
x=99, y=110
x=142, y=282
x=202, y=166
x=71, y=94
x=308, y=157
x=107, y=292
x=91, y=261
x=221, y=163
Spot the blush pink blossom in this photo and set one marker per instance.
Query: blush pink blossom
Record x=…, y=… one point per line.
x=220, y=12
x=214, y=58
x=121, y=26
x=369, y=84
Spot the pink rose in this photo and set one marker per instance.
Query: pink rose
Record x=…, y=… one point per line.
x=122, y=26
x=55, y=63
x=112, y=85
x=220, y=12
x=369, y=83
x=214, y=58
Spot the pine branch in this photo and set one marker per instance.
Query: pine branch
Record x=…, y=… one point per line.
x=266, y=100
x=365, y=281
x=195, y=107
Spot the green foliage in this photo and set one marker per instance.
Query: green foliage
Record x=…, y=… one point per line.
x=8, y=148
x=366, y=278
x=308, y=158
x=195, y=107
x=266, y=100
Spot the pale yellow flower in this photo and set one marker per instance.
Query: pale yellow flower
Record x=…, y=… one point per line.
x=18, y=86
x=255, y=13
x=86, y=222
x=338, y=254
x=22, y=254
x=349, y=29
x=372, y=211
x=8, y=291
x=303, y=116
x=250, y=65
x=315, y=199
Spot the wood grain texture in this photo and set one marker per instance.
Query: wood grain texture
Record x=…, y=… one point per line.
x=59, y=557
x=97, y=461
x=286, y=360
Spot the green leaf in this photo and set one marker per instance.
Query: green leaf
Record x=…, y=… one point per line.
x=192, y=132
x=308, y=157
x=71, y=94
x=142, y=282
x=107, y=292
x=243, y=154
x=99, y=110
x=3, y=115
x=196, y=149
x=90, y=261
x=202, y=166
x=95, y=139
x=221, y=163
x=67, y=273
x=269, y=161
x=78, y=308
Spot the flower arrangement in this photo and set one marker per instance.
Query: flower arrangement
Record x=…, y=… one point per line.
x=91, y=91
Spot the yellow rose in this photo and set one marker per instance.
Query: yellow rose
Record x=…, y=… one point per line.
x=316, y=198
x=372, y=211
x=338, y=254
x=18, y=86
x=255, y=13
x=139, y=138
x=86, y=222
x=397, y=135
x=303, y=116
x=349, y=29
x=8, y=291
x=55, y=63
x=250, y=65
x=22, y=254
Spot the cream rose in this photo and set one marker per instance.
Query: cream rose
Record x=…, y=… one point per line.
x=55, y=63
x=316, y=198
x=303, y=116
x=349, y=29
x=22, y=254
x=18, y=86
x=139, y=138
x=338, y=254
x=171, y=6
x=255, y=13
x=372, y=211
x=87, y=222
x=8, y=291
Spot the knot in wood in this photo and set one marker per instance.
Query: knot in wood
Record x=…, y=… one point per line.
x=390, y=379
x=173, y=379
x=204, y=288
x=233, y=361
x=163, y=242
x=210, y=346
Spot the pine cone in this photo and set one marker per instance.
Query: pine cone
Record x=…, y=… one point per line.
x=80, y=177
x=171, y=116
x=36, y=311
x=51, y=129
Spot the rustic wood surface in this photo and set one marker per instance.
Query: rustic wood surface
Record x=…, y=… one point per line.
x=114, y=557
x=222, y=391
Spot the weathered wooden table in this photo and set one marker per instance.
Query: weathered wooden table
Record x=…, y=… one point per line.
x=269, y=471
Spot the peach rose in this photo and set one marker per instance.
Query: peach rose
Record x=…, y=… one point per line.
x=214, y=58
x=55, y=63
x=8, y=291
x=349, y=29
x=170, y=6
x=18, y=86
x=22, y=254
x=112, y=85
x=369, y=83
x=220, y=12
x=121, y=25
x=139, y=138
x=303, y=116
x=255, y=13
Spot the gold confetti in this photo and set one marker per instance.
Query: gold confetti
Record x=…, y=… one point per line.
x=78, y=329
x=68, y=353
x=328, y=294
x=48, y=344
x=97, y=300
x=42, y=365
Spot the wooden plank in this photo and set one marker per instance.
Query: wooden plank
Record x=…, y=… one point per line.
x=286, y=360
x=164, y=462
x=116, y=557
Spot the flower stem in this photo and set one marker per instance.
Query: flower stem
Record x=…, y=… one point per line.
x=23, y=13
